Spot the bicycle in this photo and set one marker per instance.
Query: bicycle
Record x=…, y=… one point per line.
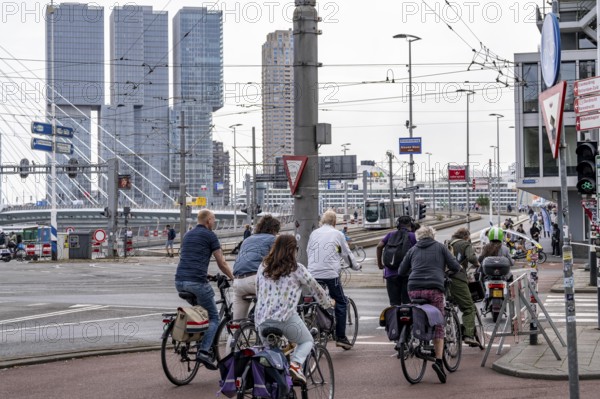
x=178, y=358
x=414, y=353
x=318, y=370
x=359, y=253
x=308, y=312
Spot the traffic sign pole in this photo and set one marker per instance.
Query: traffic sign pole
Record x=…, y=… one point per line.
x=53, y=213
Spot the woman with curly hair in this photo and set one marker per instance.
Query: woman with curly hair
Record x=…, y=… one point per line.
x=279, y=283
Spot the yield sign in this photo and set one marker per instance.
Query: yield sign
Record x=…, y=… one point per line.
x=552, y=102
x=294, y=166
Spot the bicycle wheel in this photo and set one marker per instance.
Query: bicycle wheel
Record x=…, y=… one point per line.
x=413, y=367
x=245, y=336
x=359, y=253
x=222, y=341
x=178, y=359
x=479, y=331
x=345, y=276
x=452, y=342
x=351, y=320
x=541, y=257
x=310, y=319
x=318, y=370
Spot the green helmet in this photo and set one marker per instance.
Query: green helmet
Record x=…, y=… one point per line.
x=496, y=233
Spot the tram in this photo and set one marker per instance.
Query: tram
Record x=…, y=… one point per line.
x=377, y=212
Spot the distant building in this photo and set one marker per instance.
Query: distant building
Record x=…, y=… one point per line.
x=277, y=97
x=198, y=91
x=75, y=77
x=220, y=174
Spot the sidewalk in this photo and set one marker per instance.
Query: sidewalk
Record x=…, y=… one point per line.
x=538, y=361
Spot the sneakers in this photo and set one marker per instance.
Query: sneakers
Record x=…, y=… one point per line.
x=296, y=372
x=438, y=367
x=471, y=341
x=206, y=360
x=343, y=343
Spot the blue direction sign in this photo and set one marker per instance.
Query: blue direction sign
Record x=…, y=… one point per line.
x=41, y=145
x=46, y=129
x=410, y=145
x=64, y=148
x=41, y=128
x=64, y=131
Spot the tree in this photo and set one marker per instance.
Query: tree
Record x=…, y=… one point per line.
x=482, y=201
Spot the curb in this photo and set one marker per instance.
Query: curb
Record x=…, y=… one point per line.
x=501, y=367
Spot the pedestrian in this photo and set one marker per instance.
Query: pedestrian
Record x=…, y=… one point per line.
x=425, y=265
x=534, y=231
x=355, y=216
x=198, y=246
x=556, y=250
x=170, y=239
x=250, y=256
x=396, y=285
x=326, y=249
x=280, y=281
x=247, y=231
x=465, y=255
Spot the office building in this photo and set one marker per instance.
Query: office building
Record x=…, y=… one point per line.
x=537, y=171
x=75, y=75
x=220, y=174
x=277, y=97
x=198, y=91
x=139, y=110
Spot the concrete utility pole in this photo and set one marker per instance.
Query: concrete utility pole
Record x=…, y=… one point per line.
x=306, y=64
x=182, y=194
x=254, y=196
x=113, y=206
x=235, y=177
x=392, y=207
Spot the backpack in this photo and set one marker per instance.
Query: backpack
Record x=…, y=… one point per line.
x=172, y=234
x=460, y=257
x=395, y=250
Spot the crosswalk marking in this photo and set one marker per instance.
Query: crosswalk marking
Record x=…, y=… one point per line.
x=586, y=305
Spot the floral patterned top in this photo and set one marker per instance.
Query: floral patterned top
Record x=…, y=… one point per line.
x=278, y=299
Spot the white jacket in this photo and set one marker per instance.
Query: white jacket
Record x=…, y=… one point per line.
x=326, y=249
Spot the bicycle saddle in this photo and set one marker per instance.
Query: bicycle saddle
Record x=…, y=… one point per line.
x=189, y=297
x=249, y=297
x=419, y=301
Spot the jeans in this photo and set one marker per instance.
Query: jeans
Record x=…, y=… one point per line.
x=397, y=289
x=205, y=296
x=337, y=294
x=295, y=331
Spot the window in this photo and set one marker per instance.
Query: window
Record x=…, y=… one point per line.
x=550, y=165
x=567, y=73
x=531, y=144
x=530, y=88
x=587, y=69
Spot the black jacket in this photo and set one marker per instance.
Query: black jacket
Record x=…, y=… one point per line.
x=425, y=264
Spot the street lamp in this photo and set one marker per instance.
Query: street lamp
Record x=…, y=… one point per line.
x=490, y=183
x=345, y=147
x=498, y=116
x=232, y=127
x=411, y=177
x=469, y=93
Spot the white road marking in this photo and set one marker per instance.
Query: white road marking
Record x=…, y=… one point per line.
x=37, y=304
x=51, y=314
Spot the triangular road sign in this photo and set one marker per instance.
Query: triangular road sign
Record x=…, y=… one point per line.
x=294, y=166
x=552, y=103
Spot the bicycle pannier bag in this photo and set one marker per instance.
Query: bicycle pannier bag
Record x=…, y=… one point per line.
x=190, y=323
x=393, y=318
x=231, y=367
x=325, y=319
x=425, y=318
x=270, y=372
x=396, y=248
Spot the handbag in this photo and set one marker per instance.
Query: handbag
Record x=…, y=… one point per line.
x=324, y=319
x=190, y=323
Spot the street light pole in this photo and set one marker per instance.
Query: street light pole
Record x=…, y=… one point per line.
x=345, y=148
x=467, y=175
x=234, y=178
x=411, y=177
x=430, y=173
x=498, y=116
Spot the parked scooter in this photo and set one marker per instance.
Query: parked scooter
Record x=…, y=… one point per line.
x=496, y=276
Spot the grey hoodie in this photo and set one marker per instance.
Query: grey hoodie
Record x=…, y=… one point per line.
x=425, y=264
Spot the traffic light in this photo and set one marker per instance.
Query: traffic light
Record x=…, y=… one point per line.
x=72, y=168
x=258, y=209
x=406, y=210
x=24, y=168
x=422, y=211
x=586, y=166
x=105, y=213
x=244, y=210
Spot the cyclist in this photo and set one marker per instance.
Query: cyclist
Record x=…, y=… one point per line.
x=425, y=265
x=326, y=248
x=254, y=248
x=279, y=283
x=495, y=247
x=463, y=250
x=198, y=246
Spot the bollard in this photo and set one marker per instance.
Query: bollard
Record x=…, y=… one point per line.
x=533, y=279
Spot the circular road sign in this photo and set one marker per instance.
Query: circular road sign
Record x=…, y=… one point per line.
x=550, y=50
x=70, y=229
x=99, y=235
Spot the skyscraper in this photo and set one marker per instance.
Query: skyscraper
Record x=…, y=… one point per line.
x=220, y=173
x=75, y=76
x=277, y=97
x=198, y=90
x=139, y=111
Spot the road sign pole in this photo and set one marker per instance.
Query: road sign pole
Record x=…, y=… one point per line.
x=53, y=213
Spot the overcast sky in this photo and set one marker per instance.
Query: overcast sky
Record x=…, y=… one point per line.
x=358, y=52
